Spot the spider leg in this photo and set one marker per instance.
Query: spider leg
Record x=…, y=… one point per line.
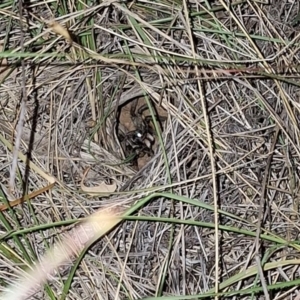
x=133, y=107
x=121, y=134
x=142, y=108
x=148, y=147
x=150, y=138
x=148, y=120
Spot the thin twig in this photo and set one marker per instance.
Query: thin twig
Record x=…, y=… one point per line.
x=261, y=215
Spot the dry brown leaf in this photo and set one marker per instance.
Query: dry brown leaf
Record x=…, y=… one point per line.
x=101, y=188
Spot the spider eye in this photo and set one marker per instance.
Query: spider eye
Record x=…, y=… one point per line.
x=138, y=134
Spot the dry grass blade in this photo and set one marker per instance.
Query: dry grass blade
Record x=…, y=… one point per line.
x=60, y=30
x=92, y=228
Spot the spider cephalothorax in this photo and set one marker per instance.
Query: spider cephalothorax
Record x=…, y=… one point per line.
x=138, y=142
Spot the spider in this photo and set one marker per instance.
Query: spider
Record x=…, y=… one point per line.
x=138, y=142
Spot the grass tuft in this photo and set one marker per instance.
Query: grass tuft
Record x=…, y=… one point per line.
x=213, y=212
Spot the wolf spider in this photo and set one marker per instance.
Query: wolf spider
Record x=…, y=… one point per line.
x=138, y=142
